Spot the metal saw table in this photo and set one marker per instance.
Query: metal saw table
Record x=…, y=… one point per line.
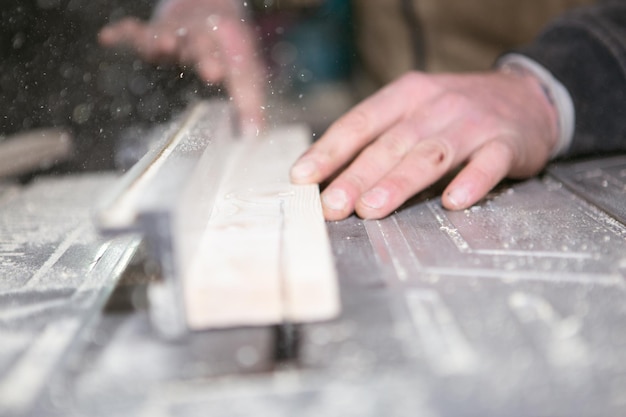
x=514, y=307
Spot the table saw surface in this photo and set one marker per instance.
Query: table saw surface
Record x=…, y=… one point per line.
x=515, y=307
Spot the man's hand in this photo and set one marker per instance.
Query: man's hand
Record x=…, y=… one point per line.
x=210, y=35
x=412, y=132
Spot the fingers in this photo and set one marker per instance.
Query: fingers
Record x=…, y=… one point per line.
x=121, y=32
x=413, y=132
x=428, y=161
x=124, y=32
x=151, y=43
x=392, y=169
x=224, y=53
x=204, y=54
x=488, y=166
x=356, y=129
x=245, y=77
x=373, y=196
x=395, y=150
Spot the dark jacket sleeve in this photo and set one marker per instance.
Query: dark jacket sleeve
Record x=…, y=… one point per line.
x=585, y=49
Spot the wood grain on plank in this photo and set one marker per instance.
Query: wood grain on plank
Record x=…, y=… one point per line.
x=265, y=255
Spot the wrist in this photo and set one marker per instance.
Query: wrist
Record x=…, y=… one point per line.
x=554, y=94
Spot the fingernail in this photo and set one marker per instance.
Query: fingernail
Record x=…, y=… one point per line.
x=303, y=170
x=458, y=197
x=335, y=199
x=375, y=198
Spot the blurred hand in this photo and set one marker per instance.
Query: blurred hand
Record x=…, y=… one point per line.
x=210, y=35
x=418, y=128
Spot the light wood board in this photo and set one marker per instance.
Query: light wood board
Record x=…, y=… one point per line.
x=33, y=150
x=265, y=256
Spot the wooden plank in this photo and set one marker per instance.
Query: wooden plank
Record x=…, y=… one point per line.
x=34, y=150
x=265, y=256
x=311, y=285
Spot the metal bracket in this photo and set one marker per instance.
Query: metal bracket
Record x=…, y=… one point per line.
x=169, y=193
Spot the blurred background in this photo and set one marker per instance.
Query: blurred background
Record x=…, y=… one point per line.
x=53, y=73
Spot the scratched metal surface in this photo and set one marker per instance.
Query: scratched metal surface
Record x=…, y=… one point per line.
x=56, y=275
x=601, y=181
x=515, y=307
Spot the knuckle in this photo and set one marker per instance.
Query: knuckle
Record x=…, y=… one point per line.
x=354, y=180
x=505, y=148
x=483, y=176
x=357, y=122
x=398, y=185
x=435, y=153
x=519, y=164
x=395, y=145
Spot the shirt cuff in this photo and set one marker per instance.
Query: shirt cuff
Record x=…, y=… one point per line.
x=556, y=92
